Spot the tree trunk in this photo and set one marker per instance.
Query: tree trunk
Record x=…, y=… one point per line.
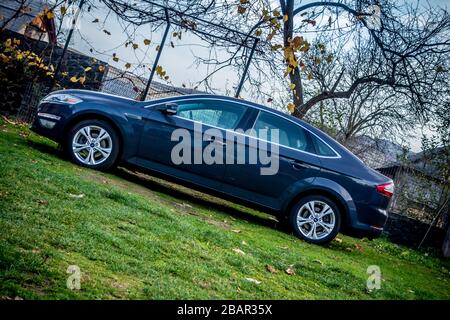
x=446, y=244
x=294, y=77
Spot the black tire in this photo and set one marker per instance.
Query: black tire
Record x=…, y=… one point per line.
x=326, y=236
x=112, y=142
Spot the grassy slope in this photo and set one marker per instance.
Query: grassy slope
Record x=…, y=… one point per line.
x=146, y=238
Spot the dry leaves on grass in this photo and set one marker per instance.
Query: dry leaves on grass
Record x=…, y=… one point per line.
x=359, y=247
x=290, y=270
x=253, y=280
x=318, y=261
x=271, y=269
x=77, y=196
x=338, y=240
x=239, y=251
x=236, y=230
x=42, y=202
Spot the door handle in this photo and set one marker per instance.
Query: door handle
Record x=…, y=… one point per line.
x=214, y=140
x=299, y=165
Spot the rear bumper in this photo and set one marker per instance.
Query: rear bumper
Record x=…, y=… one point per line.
x=369, y=221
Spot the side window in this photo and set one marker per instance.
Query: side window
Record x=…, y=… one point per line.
x=214, y=113
x=321, y=148
x=289, y=134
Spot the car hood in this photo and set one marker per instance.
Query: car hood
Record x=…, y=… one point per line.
x=95, y=95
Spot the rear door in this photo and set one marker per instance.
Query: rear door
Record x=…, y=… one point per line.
x=290, y=149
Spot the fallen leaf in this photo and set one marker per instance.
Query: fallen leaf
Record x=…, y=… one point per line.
x=318, y=261
x=42, y=201
x=359, y=247
x=290, y=270
x=78, y=196
x=236, y=231
x=338, y=240
x=239, y=251
x=244, y=243
x=271, y=269
x=253, y=280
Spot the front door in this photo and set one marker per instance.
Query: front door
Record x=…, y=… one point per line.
x=191, y=140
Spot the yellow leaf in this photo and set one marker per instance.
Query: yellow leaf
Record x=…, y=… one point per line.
x=291, y=107
x=329, y=58
x=82, y=79
x=285, y=18
x=276, y=13
x=317, y=60
x=275, y=47
x=50, y=15
x=310, y=76
x=135, y=46
x=87, y=69
x=74, y=79
x=292, y=86
x=147, y=42
x=63, y=10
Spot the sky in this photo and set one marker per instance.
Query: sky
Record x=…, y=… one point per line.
x=178, y=61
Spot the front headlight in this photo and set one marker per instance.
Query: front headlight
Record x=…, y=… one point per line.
x=61, y=98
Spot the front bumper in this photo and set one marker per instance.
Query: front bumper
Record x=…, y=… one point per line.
x=50, y=113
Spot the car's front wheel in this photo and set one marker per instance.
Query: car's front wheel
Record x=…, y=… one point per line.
x=93, y=144
x=315, y=219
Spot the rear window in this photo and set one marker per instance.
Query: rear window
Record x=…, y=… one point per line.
x=321, y=148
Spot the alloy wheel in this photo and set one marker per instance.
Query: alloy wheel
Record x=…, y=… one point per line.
x=92, y=145
x=316, y=220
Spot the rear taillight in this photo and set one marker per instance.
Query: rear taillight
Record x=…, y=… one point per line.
x=386, y=189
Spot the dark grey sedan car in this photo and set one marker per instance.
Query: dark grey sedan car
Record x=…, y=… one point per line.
x=229, y=147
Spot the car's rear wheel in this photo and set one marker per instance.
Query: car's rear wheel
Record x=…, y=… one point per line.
x=315, y=219
x=93, y=144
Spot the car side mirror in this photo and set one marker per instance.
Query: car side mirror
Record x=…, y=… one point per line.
x=168, y=109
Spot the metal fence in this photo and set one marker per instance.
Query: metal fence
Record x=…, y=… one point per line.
x=126, y=84
x=419, y=195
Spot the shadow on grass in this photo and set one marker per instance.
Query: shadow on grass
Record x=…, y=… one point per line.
x=42, y=147
x=140, y=179
x=207, y=203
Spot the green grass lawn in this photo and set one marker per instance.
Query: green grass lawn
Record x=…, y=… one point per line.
x=138, y=237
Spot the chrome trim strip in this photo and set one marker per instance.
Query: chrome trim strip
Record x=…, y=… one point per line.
x=49, y=116
x=338, y=156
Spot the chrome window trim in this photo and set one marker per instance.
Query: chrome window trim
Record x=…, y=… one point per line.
x=338, y=156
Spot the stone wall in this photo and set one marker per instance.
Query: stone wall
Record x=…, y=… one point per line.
x=407, y=231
